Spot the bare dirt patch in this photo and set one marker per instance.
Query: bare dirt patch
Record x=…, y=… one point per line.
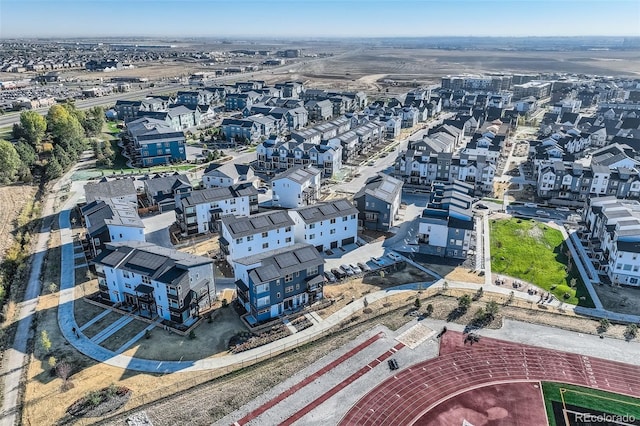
x=619, y=299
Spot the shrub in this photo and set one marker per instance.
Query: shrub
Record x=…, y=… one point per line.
x=429, y=309
x=45, y=343
x=52, y=287
x=604, y=325
x=147, y=334
x=225, y=303
x=417, y=303
x=192, y=335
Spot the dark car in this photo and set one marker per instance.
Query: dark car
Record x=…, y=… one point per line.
x=332, y=278
x=364, y=267
x=481, y=206
x=339, y=274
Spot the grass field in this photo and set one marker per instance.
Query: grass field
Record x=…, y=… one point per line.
x=534, y=252
x=593, y=399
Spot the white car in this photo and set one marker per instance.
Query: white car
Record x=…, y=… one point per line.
x=563, y=209
x=395, y=256
x=542, y=213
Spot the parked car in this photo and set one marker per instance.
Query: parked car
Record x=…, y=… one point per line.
x=347, y=269
x=542, y=213
x=355, y=269
x=339, y=273
x=364, y=267
x=395, y=256
x=563, y=209
x=481, y=206
x=262, y=190
x=531, y=205
x=332, y=278
x=377, y=261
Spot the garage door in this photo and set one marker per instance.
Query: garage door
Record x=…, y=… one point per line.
x=320, y=248
x=348, y=241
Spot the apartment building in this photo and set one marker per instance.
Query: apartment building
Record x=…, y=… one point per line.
x=296, y=187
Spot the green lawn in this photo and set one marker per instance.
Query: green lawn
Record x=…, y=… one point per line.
x=6, y=133
x=594, y=399
x=534, y=252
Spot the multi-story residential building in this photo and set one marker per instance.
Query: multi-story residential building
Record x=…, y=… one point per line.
x=245, y=236
x=573, y=183
x=276, y=154
x=537, y=89
x=200, y=211
x=378, y=202
x=121, y=189
x=319, y=110
x=240, y=101
x=196, y=97
x=164, y=191
x=296, y=187
x=153, y=281
x=155, y=143
x=250, y=129
x=111, y=220
x=222, y=175
x=446, y=225
x=279, y=282
x=613, y=234
x=326, y=225
x=127, y=110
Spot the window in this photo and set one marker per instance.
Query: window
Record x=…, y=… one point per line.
x=278, y=295
x=345, y=218
x=173, y=303
x=353, y=216
x=312, y=226
x=124, y=274
x=287, y=229
x=332, y=231
x=263, y=301
x=232, y=201
x=287, y=240
x=127, y=285
x=312, y=236
x=265, y=234
x=288, y=289
x=288, y=278
x=298, y=286
x=146, y=280
x=265, y=245
x=312, y=271
x=332, y=221
x=238, y=240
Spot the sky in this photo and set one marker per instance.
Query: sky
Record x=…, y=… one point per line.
x=317, y=18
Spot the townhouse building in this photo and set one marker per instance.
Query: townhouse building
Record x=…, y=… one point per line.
x=155, y=282
x=296, y=187
x=446, y=225
x=327, y=225
x=152, y=142
x=378, y=202
x=199, y=212
x=111, y=220
x=120, y=189
x=275, y=155
x=246, y=236
x=164, y=192
x=612, y=231
x=278, y=282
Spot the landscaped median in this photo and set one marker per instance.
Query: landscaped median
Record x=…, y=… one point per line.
x=535, y=252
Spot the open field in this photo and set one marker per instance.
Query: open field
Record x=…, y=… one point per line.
x=592, y=400
x=534, y=252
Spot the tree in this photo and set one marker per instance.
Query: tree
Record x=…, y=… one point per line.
x=417, y=303
x=61, y=155
x=9, y=162
x=631, y=331
x=445, y=286
x=45, y=343
x=464, y=302
x=65, y=130
x=93, y=121
x=429, y=309
x=63, y=370
x=26, y=153
x=33, y=127
x=53, y=169
x=492, y=309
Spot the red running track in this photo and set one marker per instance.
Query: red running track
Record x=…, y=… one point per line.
x=295, y=388
x=407, y=396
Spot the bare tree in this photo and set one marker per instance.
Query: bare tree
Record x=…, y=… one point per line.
x=63, y=370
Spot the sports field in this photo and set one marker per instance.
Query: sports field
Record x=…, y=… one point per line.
x=567, y=404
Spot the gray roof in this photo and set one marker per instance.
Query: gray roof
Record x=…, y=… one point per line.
x=109, y=189
x=167, y=184
x=277, y=263
x=158, y=263
x=326, y=211
x=216, y=194
x=101, y=213
x=298, y=174
x=240, y=227
x=382, y=187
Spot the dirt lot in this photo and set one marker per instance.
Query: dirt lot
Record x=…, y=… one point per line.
x=12, y=199
x=619, y=299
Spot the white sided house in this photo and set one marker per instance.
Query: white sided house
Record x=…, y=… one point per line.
x=246, y=236
x=326, y=225
x=296, y=187
x=153, y=281
x=200, y=211
x=223, y=175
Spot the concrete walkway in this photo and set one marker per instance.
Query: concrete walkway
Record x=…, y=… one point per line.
x=111, y=329
x=95, y=319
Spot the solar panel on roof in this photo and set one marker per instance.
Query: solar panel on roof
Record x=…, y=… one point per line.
x=308, y=213
x=306, y=254
x=342, y=205
x=259, y=222
x=327, y=209
x=285, y=260
x=267, y=273
x=239, y=227
x=279, y=217
x=146, y=260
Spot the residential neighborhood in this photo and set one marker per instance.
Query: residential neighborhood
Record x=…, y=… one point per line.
x=334, y=229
